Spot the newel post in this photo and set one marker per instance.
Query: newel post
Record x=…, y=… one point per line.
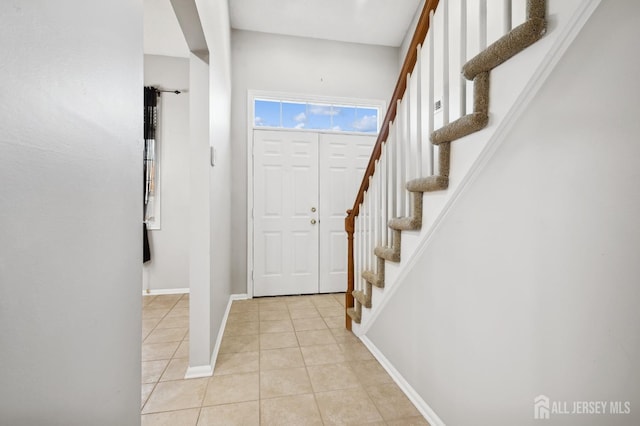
x=349, y=226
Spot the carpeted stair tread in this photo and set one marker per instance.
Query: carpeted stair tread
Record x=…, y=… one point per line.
x=511, y=43
x=444, y=159
x=355, y=315
x=362, y=297
x=428, y=184
x=373, y=278
x=469, y=123
x=387, y=253
x=412, y=222
x=405, y=223
x=460, y=128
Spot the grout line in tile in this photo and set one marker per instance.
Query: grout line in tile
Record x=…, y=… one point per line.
x=199, y=414
x=167, y=411
x=162, y=318
x=148, y=396
x=313, y=392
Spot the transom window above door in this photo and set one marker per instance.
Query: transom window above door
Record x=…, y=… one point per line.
x=318, y=116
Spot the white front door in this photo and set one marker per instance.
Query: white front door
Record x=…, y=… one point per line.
x=343, y=160
x=303, y=184
x=285, y=223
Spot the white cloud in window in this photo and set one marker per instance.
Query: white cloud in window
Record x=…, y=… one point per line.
x=258, y=121
x=323, y=110
x=300, y=118
x=336, y=128
x=300, y=126
x=367, y=123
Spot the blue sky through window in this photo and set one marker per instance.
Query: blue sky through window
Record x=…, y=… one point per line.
x=315, y=116
x=266, y=113
x=366, y=120
x=294, y=115
x=344, y=118
x=319, y=116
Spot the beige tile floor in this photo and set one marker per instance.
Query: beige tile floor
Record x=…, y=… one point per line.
x=282, y=361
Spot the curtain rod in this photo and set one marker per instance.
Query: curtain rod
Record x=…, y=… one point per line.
x=159, y=90
x=177, y=92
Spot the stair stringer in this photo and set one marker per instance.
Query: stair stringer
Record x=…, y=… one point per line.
x=525, y=73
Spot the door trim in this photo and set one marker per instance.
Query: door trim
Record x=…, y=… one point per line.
x=251, y=95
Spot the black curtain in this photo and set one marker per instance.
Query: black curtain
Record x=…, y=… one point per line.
x=150, y=124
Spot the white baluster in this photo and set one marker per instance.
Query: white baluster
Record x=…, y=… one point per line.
x=482, y=36
x=445, y=63
x=375, y=181
x=391, y=199
x=365, y=229
x=384, y=201
x=363, y=242
x=372, y=210
x=379, y=195
x=370, y=225
x=431, y=91
x=506, y=8
x=417, y=72
x=518, y=13
x=424, y=109
x=374, y=219
x=393, y=171
x=380, y=177
x=463, y=56
x=363, y=246
x=407, y=146
x=400, y=159
x=408, y=137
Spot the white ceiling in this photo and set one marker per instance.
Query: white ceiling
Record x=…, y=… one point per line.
x=381, y=22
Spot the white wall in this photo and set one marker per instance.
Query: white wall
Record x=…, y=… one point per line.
x=169, y=265
x=210, y=187
x=70, y=212
x=406, y=42
x=200, y=345
x=162, y=33
x=530, y=284
x=293, y=65
x=215, y=22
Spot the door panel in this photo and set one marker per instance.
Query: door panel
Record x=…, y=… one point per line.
x=293, y=173
x=285, y=190
x=343, y=160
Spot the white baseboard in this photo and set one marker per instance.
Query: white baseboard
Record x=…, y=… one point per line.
x=207, y=370
x=164, y=291
x=422, y=406
x=199, y=371
x=243, y=296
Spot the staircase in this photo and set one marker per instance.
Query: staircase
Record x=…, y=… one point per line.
x=401, y=170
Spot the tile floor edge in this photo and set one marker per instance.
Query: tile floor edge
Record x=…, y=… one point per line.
x=427, y=412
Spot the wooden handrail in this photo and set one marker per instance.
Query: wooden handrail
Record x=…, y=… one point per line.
x=407, y=67
x=401, y=86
